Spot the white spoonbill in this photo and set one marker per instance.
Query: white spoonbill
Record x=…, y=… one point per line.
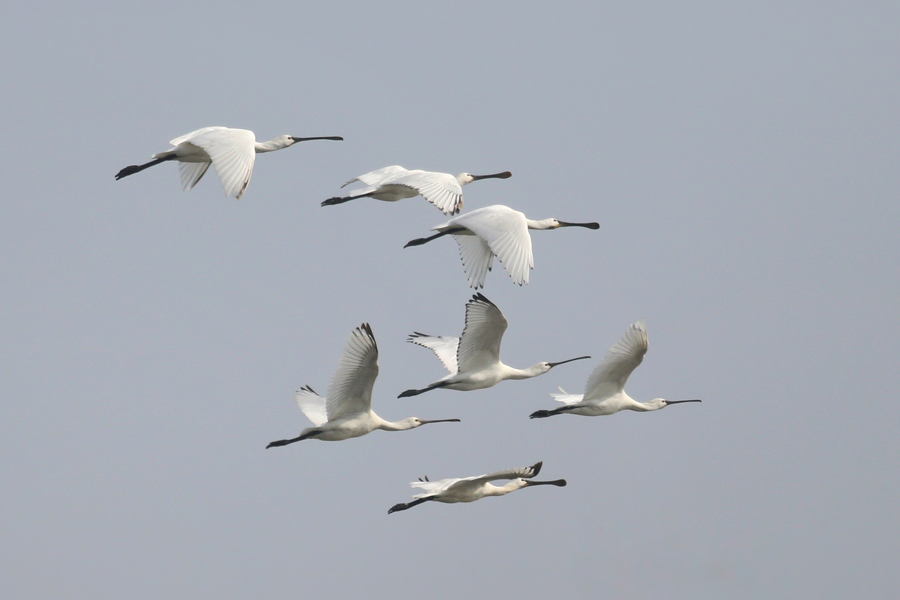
x=232, y=151
x=396, y=183
x=604, y=393
x=474, y=359
x=470, y=489
x=495, y=231
x=347, y=413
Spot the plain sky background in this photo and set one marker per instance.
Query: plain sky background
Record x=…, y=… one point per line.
x=742, y=159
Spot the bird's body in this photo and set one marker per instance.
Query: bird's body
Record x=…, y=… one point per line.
x=605, y=389
x=232, y=151
x=493, y=231
x=474, y=358
x=347, y=412
x=394, y=183
x=470, y=489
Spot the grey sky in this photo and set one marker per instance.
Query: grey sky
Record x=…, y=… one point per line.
x=742, y=161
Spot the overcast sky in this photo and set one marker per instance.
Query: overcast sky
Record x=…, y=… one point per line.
x=741, y=158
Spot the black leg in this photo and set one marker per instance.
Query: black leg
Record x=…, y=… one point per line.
x=433, y=386
x=420, y=241
x=305, y=436
x=131, y=170
x=407, y=505
x=339, y=200
x=540, y=414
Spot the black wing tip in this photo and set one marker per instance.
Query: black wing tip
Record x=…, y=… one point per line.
x=479, y=297
x=367, y=329
x=536, y=468
x=413, y=338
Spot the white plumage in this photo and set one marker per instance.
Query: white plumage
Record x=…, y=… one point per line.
x=396, y=183
x=495, y=231
x=470, y=489
x=604, y=393
x=347, y=411
x=232, y=152
x=474, y=358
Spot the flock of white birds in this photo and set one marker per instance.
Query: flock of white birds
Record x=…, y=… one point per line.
x=473, y=359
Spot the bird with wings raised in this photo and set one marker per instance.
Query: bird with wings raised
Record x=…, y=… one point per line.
x=347, y=411
x=604, y=393
x=474, y=358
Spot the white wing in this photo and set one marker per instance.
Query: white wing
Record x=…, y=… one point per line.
x=445, y=347
x=196, y=133
x=434, y=487
x=437, y=487
x=610, y=375
x=441, y=189
x=506, y=232
x=350, y=390
x=232, y=152
x=191, y=173
x=379, y=176
x=479, y=346
x=565, y=397
x=477, y=258
x=526, y=472
x=312, y=405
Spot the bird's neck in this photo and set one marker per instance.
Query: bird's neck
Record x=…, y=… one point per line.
x=542, y=224
x=499, y=490
x=398, y=426
x=514, y=373
x=270, y=146
x=640, y=406
x=532, y=371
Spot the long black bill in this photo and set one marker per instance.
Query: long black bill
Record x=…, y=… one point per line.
x=503, y=175
x=682, y=401
x=335, y=138
x=424, y=422
x=557, y=483
x=588, y=225
x=565, y=361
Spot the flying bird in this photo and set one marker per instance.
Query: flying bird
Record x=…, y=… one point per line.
x=347, y=412
x=470, y=489
x=396, y=183
x=495, y=231
x=604, y=393
x=474, y=358
x=232, y=151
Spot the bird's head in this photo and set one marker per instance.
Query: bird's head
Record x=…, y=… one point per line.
x=543, y=367
x=518, y=483
x=464, y=178
x=413, y=422
x=657, y=403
